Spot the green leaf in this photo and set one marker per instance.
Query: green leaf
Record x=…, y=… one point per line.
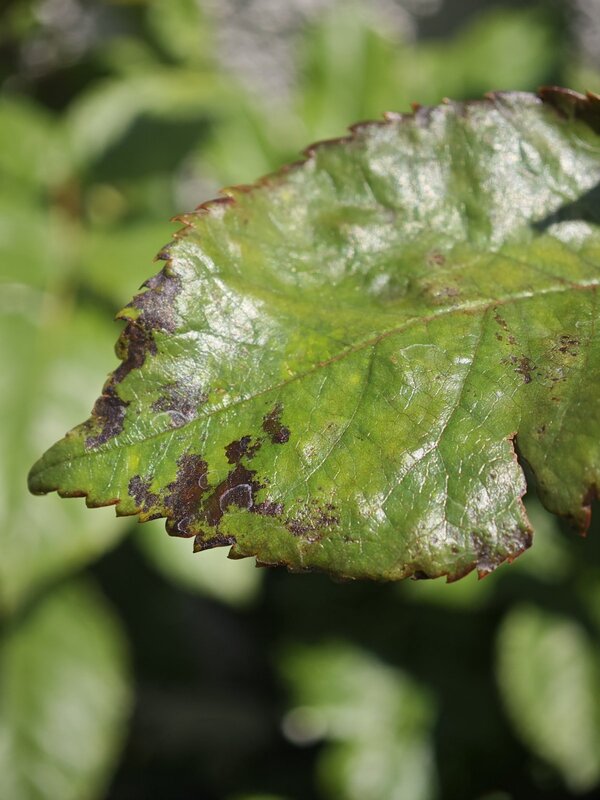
x=32, y=148
x=64, y=696
x=352, y=68
x=53, y=355
x=102, y=116
x=375, y=720
x=333, y=367
x=548, y=673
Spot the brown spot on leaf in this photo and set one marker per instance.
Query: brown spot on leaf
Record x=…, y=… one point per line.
x=439, y=294
x=239, y=448
x=419, y=575
x=133, y=345
x=218, y=540
x=109, y=413
x=525, y=367
x=139, y=489
x=185, y=494
x=157, y=304
x=501, y=321
x=268, y=509
x=312, y=523
x=435, y=258
x=568, y=345
x=238, y=489
x=589, y=497
x=272, y=426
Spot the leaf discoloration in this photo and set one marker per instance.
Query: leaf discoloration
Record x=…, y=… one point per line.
x=273, y=427
x=242, y=448
x=314, y=523
x=108, y=415
x=156, y=305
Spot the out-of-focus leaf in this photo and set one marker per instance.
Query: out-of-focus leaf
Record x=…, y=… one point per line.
x=102, y=116
x=47, y=365
x=109, y=258
x=353, y=71
x=236, y=583
x=180, y=28
x=548, y=672
x=375, y=720
x=332, y=367
x=34, y=243
x=585, y=77
x=33, y=155
x=350, y=69
x=64, y=698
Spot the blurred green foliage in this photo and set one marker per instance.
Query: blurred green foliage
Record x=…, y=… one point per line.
x=113, y=117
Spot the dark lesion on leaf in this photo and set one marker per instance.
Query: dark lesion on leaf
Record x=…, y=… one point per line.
x=239, y=489
x=145, y=499
x=573, y=104
x=504, y=326
x=314, y=522
x=591, y=495
x=185, y=493
x=273, y=427
x=133, y=345
x=108, y=416
x=157, y=304
x=156, y=312
x=568, y=345
x=523, y=366
x=192, y=506
x=202, y=543
x=435, y=258
x=241, y=448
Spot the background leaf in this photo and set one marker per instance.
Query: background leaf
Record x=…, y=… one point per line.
x=54, y=352
x=375, y=720
x=549, y=679
x=64, y=696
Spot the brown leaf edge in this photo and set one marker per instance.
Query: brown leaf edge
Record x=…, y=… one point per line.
x=568, y=103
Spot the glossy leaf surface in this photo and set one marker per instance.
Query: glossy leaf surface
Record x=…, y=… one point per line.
x=333, y=367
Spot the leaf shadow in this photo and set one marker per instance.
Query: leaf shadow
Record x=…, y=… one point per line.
x=585, y=209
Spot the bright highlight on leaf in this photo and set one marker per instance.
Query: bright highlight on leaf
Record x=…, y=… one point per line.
x=336, y=366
